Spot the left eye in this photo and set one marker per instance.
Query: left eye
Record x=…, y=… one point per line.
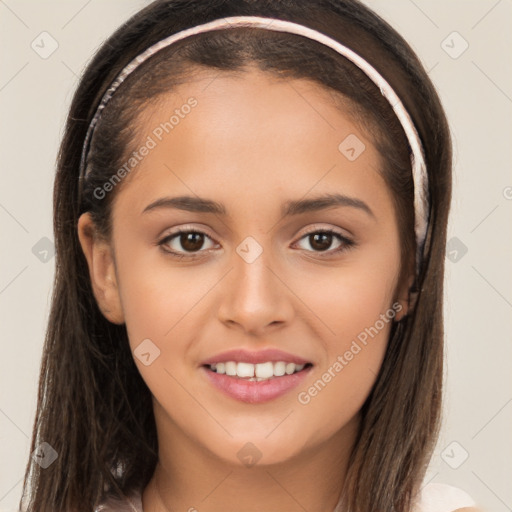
x=322, y=240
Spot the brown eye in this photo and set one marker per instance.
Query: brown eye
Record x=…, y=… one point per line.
x=320, y=241
x=189, y=242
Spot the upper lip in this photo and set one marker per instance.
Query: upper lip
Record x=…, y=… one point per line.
x=259, y=356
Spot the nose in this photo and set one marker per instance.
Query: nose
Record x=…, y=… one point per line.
x=255, y=298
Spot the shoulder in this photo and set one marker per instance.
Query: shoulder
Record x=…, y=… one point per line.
x=130, y=503
x=435, y=497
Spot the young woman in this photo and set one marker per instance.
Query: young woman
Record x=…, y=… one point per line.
x=250, y=218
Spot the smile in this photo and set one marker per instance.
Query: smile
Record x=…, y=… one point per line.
x=255, y=383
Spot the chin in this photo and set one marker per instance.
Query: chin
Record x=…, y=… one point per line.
x=256, y=448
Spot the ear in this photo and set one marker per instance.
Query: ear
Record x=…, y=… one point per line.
x=405, y=297
x=100, y=260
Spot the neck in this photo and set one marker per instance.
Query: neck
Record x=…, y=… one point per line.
x=190, y=478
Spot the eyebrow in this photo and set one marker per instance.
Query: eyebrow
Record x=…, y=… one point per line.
x=297, y=207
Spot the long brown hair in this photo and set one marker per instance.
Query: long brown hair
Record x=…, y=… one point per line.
x=93, y=407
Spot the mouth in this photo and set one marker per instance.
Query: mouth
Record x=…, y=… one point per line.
x=259, y=372
x=255, y=383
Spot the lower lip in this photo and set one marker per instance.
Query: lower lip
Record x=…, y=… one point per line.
x=254, y=392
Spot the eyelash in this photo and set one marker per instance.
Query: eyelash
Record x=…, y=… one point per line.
x=346, y=243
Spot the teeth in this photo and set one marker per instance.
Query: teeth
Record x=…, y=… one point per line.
x=279, y=369
x=245, y=370
x=264, y=370
x=230, y=368
x=256, y=372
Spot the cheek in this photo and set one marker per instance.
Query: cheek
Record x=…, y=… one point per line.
x=356, y=310
x=350, y=299
x=354, y=305
x=158, y=300
x=162, y=305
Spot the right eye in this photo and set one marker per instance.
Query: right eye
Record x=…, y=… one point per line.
x=185, y=243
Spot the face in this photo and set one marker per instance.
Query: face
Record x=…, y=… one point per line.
x=284, y=252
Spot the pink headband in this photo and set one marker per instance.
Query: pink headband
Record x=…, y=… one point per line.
x=419, y=172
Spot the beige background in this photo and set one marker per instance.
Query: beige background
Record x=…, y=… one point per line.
x=476, y=89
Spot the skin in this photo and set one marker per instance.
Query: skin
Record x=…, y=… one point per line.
x=252, y=143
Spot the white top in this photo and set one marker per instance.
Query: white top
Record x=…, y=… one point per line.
x=434, y=498
x=443, y=498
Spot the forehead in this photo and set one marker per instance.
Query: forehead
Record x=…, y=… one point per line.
x=253, y=131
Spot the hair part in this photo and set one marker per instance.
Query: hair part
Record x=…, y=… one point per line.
x=93, y=406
